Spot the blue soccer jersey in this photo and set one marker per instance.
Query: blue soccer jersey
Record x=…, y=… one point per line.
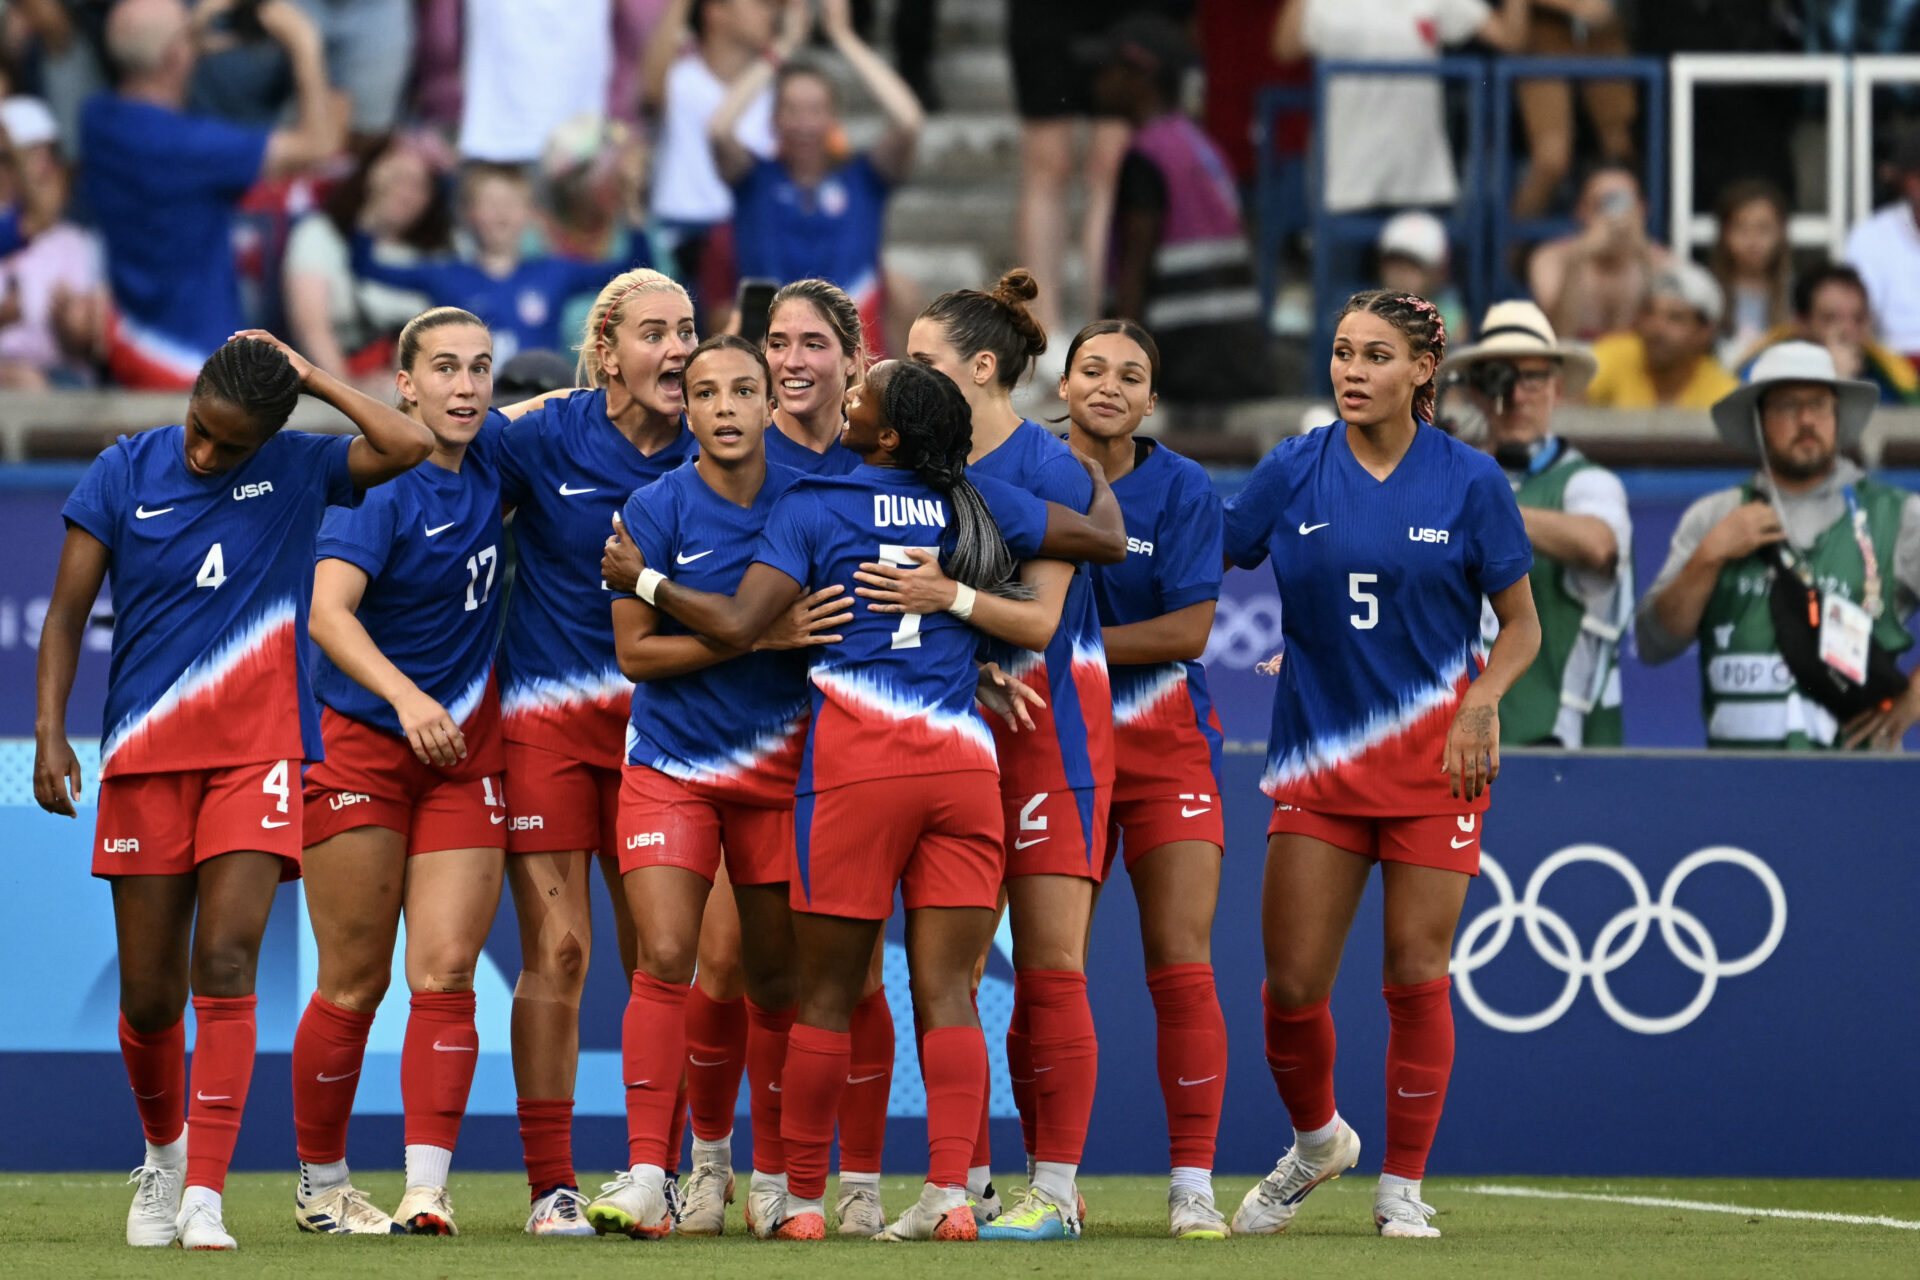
x=565, y=469
x=212, y=577
x=1071, y=743
x=739, y=723
x=783, y=451
x=1380, y=588
x=1162, y=712
x=830, y=231
x=896, y=696
x=429, y=543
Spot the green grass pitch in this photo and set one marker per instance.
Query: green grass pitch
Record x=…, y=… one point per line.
x=71, y=1225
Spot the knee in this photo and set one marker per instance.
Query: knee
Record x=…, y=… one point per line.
x=1550, y=156
x=359, y=989
x=152, y=1010
x=560, y=963
x=223, y=967
x=1177, y=942
x=668, y=960
x=943, y=1001
x=1049, y=955
x=1409, y=961
x=1290, y=990
x=445, y=969
x=721, y=975
x=772, y=988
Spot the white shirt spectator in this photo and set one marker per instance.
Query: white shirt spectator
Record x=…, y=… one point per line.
x=687, y=186
x=528, y=65
x=362, y=310
x=61, y=257
x=1885, y=250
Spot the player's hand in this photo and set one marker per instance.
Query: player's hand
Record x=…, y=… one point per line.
x=1743, y=531
x=301, y=365
x=430, y=731
x=1006, y=697
x=56, y=776
x=1472, y=761
x=810, y=620
x=921, y=589
x=620, y=560
x=1882, y=728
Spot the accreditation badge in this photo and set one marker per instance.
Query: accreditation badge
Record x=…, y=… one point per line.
x=1846, y=631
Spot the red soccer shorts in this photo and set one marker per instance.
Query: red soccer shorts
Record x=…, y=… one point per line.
x=560, y=803
x=1148, y=822
x=166, y=824
x=1446, y=842
x=936, y=835
x=668, y=822
x=1057, y=833
x=370, y=778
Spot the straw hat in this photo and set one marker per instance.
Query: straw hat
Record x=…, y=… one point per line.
x=1737, y=412
x=1519, y=330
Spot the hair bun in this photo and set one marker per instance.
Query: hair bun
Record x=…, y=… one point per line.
x=1016, y=289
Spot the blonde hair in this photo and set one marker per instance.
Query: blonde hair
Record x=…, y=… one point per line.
x=609, y=312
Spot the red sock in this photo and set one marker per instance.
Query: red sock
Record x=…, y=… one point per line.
x=1020, y=1066
x=222, y=1069
x=1419, y=1061
x=955, y=1075
x=767, y=1031
x=677, y=1132
x=653, y=1043
x=437, y=1060
x=328, y=1048
x=716, y=1057
x=1066, y=1061
x=1192, y=1044
x=983, y=1142
x=157, y=1071
x=1300, y=1055
x=546, y=1136
x=863, y=1108
x=811, y=1083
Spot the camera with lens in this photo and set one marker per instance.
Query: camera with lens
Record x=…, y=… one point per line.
x=1493, y=379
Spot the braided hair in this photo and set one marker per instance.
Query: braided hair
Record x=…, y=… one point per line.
x=1419, y=321
x=936, y=433
x=255, y=376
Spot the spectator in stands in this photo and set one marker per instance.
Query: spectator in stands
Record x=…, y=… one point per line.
x=1885, y=250
x=594, y=172
x=1768, y=672
x=52, y=300
x=345, y=324
x=1386, y=136
x=1414, y=258
x=1830, y=308
x=809, y=212
x=1666, y=360
x=1576, y=517
x=162, y=185
x=527, y=67
x=1570, y=29
x=369, y=48
x=1594, y=281
x=1753, y=263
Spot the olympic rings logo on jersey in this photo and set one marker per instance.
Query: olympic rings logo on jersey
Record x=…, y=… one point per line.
x=1246, y=631
x=1682, y=931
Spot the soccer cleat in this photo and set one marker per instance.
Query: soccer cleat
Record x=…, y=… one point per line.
x=1400, y=1214
x=766, y=1204
x=153, y=1218
x=941, y=1213
x=703, y=1205
x=631, y=1205
x=859, y=1211
x=560, y=1212
x=807, y=1225
x=986, y=1206
x=426, y=1211
x=1192, y=1216
x=1035, y=1217
x=200, y=1228
x=342, y=1211
x=676, y=1202
x=1273, y=1201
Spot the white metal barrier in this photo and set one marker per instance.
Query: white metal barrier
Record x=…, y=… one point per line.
x=1869, y=73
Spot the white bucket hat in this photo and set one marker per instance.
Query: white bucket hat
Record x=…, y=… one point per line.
x=1736, y=414
x=1520, y=330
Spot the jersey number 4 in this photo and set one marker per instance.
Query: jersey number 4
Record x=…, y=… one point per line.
x=907, y=634
x=213, y=570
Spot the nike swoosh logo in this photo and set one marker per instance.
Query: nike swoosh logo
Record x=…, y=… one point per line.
x=717, y=1062
x=496, y=818
x=270, y=824
x=1202, y=1080
x=678, y=559
x=324, y=1078
x=1194, y=813
x=863, y=1079
x=443, y=528
x=141, y=513
x=1038, y=1070
x=1461, y=844
x=774, y=1088
x=1428, y=1094
x=1021, y=844
x=1306, y=528
x=574, y=493
x=214, y=1097
x=149, y=1097
x=1271, y=1067
x=638, y=1084
x=454, y=1048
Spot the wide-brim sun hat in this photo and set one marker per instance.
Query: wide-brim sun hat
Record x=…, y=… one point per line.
x=1736, y=414
x=1520, y=330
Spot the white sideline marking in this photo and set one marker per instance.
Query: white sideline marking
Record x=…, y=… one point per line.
x=1701, y=1206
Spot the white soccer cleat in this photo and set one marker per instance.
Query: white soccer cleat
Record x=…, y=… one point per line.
x=704, y=1201
x=766, y=1204
x=941, y=1213
x=1270, y=1206
x=986, y=1206
x=1191, y=1215
x=200, y=1228
x=1400, y=1214
x=860, y=1212
x=560, y=1212
x=426, y=1211
x=633, y=1204
x=153, y=1219
x=342, y=1211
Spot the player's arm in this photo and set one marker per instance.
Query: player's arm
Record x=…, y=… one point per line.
x=1473, y=743
x=522, y=407
x=927, y=589
x=1100, y=536
x=83, y=567
x=644, y=654
x=389, y=444
x=1180, y=636
x=736, y=621
x=335, y=626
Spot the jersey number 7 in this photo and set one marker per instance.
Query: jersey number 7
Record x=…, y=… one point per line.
x=907, y=634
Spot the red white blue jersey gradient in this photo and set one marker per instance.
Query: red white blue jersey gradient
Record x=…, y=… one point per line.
x=1071, y=743
x=1380, y=589
x=430, y=545
x=835, y=460
x=1161, y=711
x=212, y=577
x=738, y=724
x=896, y=696
x=565, y=469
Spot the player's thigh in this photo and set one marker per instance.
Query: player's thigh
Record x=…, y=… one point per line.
x=153, y=931
x=452, y=896
x=831, y=954
x=1422, y=910
x=666, y=904
x=1050, y=915
x=942, y=946
x=625, y=937
x=765, y=944
x=553, y=906
x=1177, y=887
x=720, y=973
x=355, y=883
x=236, y=892
x=1308, y=899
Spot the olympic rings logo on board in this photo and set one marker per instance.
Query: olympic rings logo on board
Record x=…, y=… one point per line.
x=1246, y=631
x=1618, y=942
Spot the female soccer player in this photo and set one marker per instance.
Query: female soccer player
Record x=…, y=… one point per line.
x=1385, y=534
x=208, y=530
x=566, y=466
x=406, y=814
x=816, y=347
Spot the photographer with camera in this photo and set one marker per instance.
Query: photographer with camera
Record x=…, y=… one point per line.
x=1795, y=583
x=1517, y=374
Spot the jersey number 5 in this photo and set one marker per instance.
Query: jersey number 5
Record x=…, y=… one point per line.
x=1371, y=618
x=907, y=634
